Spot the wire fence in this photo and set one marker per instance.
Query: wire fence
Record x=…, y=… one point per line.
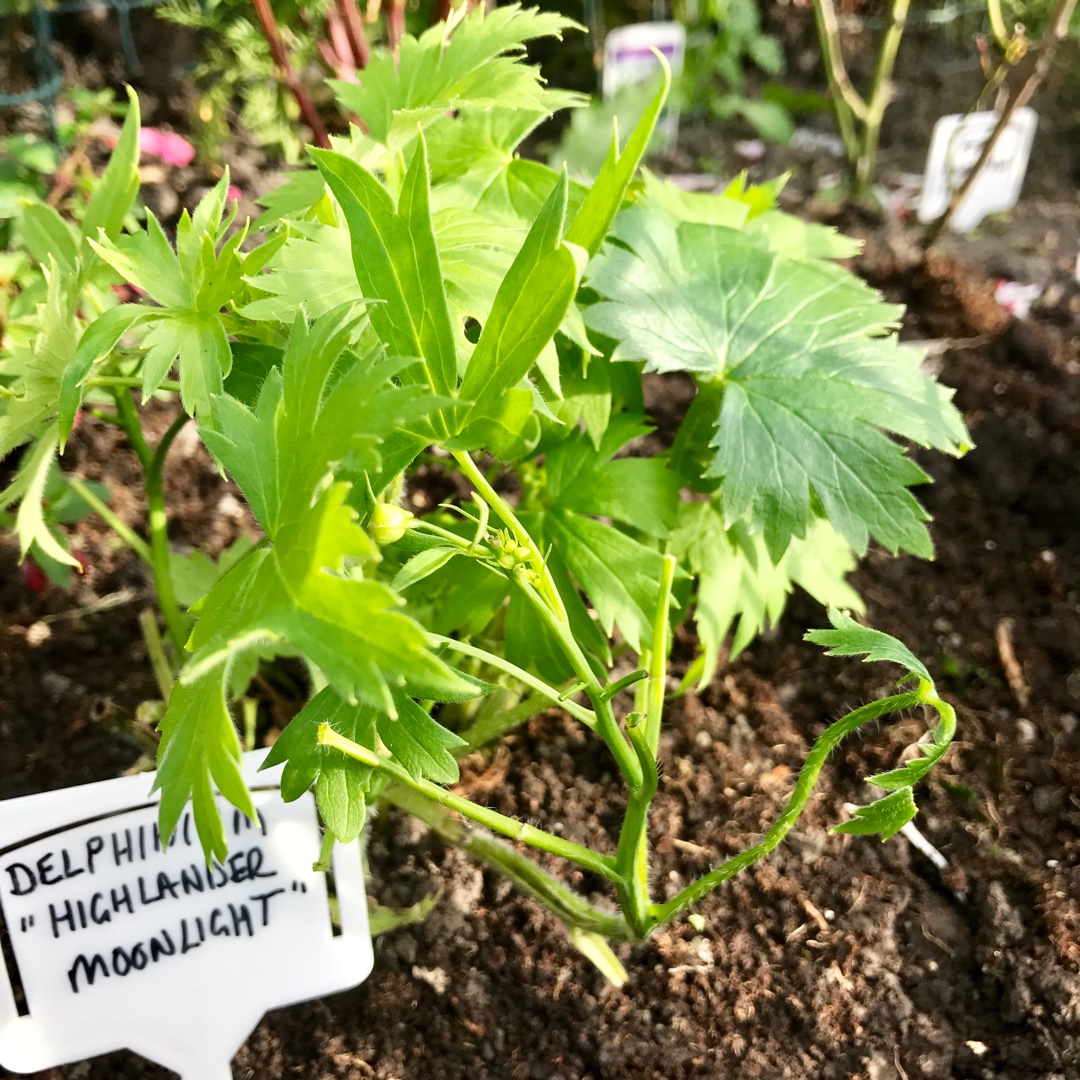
x=48, y=78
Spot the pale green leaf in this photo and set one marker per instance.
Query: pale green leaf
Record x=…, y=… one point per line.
x=848, y=638
x=808, y=378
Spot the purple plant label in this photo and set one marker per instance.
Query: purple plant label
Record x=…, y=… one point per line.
x=115, y=943
x=630, y=60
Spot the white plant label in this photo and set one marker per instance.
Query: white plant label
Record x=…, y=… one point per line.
x=112, y=943
x=629, y=60
x=955, y=147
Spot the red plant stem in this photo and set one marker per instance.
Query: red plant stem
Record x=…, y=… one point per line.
x=288, y=75
x=395, y=24
x=338, y=51
x=441, y=11
x=354, y=27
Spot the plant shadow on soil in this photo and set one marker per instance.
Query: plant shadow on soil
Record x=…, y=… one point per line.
x=838, y=957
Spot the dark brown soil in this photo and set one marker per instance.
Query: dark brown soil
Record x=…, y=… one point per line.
x=839, y=957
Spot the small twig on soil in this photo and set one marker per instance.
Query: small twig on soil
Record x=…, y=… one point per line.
x=104, y=603
x=1014, y=671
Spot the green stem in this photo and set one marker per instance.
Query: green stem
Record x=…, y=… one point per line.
x=548, y=589
x=132, y=382
x=997, y=23
x=847, y=103
x=159, y=537
x=572, y=909
x=136, y=543
x=153, y=463
x=163, y=671
x=880, y=96
x=495, y=725
x=326, y=854
x=804, y=786
x=658, y=658
x=606, y=725
x=579, y=712
x=632, y=856
x=506, y=826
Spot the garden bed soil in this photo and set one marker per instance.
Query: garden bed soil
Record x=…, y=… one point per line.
x=838, y=957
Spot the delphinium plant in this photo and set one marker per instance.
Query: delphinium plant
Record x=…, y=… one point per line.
x=425, y=301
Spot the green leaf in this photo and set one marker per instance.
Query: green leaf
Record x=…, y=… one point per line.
x=299, y=592
x=640, y=492
x=887, y=816
x=397, y=262
x=34, y=374
x=598, y=211
x=97, y=342
x=45, y=233
x=807, y=377
x=619, y=575
x=324, y=405
x=740, y=590
x=199, y=749
x=195, y=573
x=422, y=566
x=509, y=431
x=848, y=638
x=30, y=524
x=530, y=306
x=475, y=66
x=341, y=782
x=192, y=284
x=420, y=743
x=115, y=194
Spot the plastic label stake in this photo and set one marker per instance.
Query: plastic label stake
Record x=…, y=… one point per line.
x=629, y=60
x=111, y=942
x=955, y=147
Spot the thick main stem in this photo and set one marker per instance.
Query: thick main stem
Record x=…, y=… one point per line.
x=632, y=857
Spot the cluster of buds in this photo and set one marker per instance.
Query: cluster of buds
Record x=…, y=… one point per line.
x=509, y=554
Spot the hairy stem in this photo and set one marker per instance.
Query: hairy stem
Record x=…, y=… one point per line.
x=548, y=589
x=482, y=815
x=632, y=857
x=133, y=541
x=130, y=381
x=547, y=890
x=586, y=716
x=804, y=786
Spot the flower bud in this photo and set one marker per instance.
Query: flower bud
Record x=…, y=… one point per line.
x=390, y=523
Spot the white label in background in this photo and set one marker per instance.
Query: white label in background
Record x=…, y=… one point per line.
x=117, y=944
x=955, y=147
x=629, y=60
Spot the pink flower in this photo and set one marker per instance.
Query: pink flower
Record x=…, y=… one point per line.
x=171, y=148
x=233, y=193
